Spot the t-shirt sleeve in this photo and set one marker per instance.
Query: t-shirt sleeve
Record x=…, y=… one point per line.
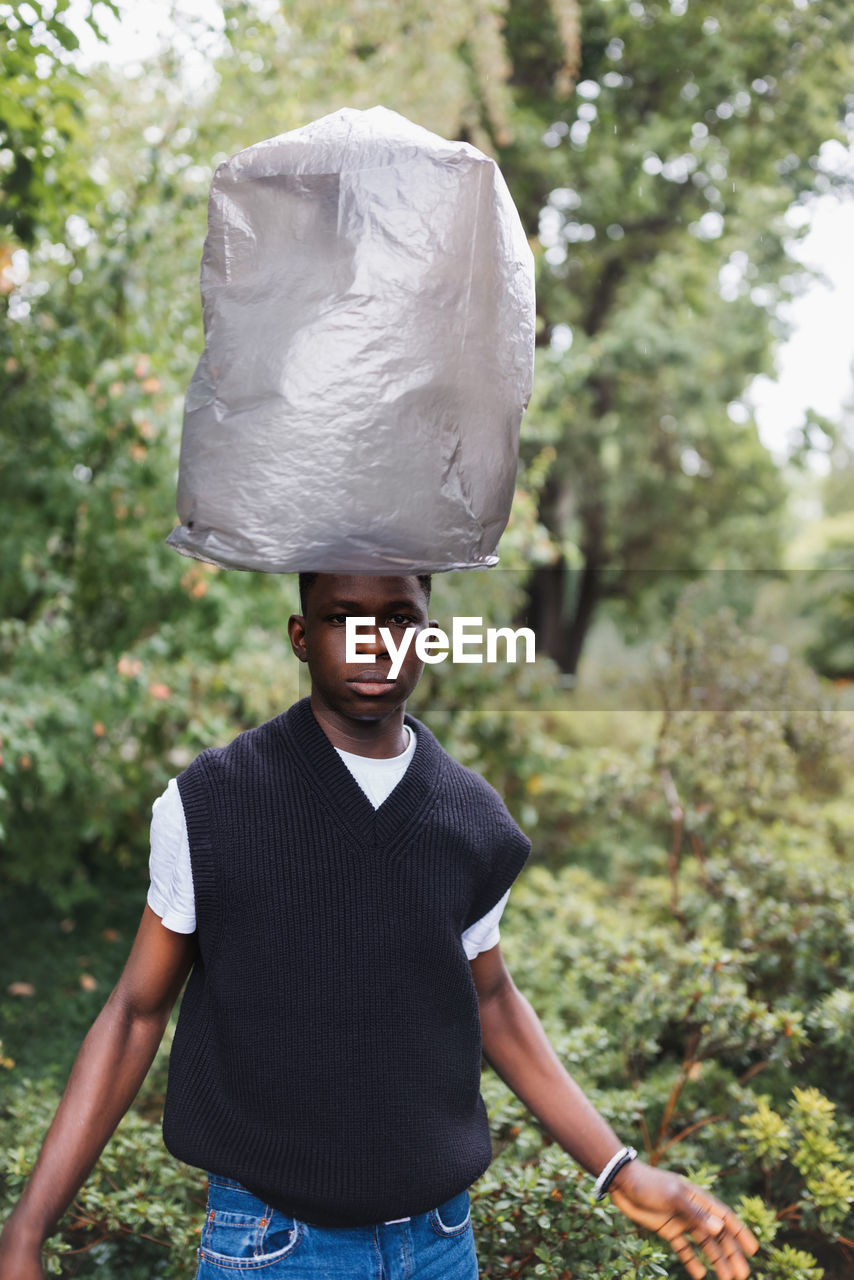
x=170, y=893
x=483, y=935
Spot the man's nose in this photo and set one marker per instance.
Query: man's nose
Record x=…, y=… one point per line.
x=375, y=644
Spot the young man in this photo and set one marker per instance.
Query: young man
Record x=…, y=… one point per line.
x=347, y=878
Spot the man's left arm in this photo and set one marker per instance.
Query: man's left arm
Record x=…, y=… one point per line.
x=517, y=1048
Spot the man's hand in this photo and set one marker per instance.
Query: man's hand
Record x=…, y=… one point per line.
x=676, y=1210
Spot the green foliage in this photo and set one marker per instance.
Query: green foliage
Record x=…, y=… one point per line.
x=766, y=1133
x=392, y=53
x=790, y=1264
x=822, y=553
x=828, y=595
x=42, y=118
x=744, y=728
x=56, y=969
x=118, y=660
x=806, y=1145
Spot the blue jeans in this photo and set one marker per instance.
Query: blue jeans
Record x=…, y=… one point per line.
x=243, y=1236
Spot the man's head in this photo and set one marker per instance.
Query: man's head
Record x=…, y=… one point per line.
x=360, y=691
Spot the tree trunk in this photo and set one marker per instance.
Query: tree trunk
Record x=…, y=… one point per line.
x=561, y=607
x=562, y=602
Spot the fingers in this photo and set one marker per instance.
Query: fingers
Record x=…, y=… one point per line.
x=718, y=1249
x=723, y=1255
x=722, y=1237
x=741, y=1231
x=686, y=1255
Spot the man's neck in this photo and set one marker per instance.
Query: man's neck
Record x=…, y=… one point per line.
x=380, y=739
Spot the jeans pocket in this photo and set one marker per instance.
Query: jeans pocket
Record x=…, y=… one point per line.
x=243, y=1241
x=453, y=1217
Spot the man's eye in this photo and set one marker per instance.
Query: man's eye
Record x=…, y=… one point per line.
x=400, y=620
x=339, y=618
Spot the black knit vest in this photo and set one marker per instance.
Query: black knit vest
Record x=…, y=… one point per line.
x=327, y=1053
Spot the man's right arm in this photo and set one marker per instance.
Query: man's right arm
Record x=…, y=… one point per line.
x=109, y=1069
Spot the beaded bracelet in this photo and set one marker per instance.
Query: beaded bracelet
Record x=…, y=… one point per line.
x=621, y=1158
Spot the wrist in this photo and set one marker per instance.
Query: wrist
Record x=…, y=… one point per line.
x=629, y=1177
x=613, y=1171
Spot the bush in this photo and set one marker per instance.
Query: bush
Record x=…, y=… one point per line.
x=140, y=1212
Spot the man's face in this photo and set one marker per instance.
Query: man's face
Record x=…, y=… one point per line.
x=359, y=690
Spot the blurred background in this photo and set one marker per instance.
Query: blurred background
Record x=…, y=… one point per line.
x=682, y=541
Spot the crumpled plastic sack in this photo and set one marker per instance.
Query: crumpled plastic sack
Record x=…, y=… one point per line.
x=368, y=306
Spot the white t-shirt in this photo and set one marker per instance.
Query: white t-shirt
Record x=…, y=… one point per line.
x=170, y=894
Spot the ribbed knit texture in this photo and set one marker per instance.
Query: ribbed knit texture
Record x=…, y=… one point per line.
x=327, y=1053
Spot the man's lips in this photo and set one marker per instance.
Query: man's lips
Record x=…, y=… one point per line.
x=371, y=676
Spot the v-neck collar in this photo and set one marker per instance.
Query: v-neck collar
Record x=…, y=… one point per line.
x=333, y=782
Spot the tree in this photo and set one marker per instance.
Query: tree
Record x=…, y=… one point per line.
x=659, y=189
x=824, y=556
x=444, y=63
x=41, y=116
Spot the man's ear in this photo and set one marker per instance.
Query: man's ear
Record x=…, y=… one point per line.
x=296, y=631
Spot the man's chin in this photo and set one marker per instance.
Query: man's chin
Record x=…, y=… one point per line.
x=372, y=708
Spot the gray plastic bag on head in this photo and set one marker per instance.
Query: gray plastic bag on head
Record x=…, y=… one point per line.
x=368, y=304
